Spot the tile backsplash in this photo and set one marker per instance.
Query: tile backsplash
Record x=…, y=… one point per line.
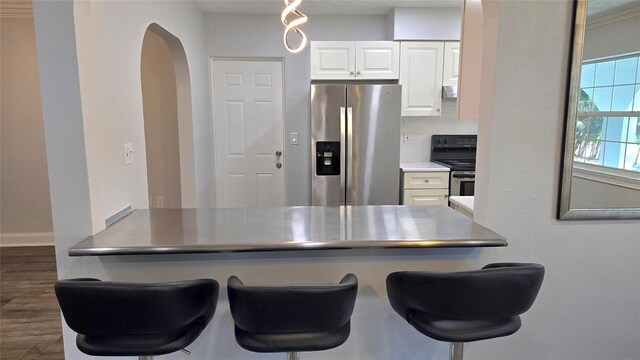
x=416, y=131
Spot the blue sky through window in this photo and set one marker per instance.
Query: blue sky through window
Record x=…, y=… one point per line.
x=609, y=86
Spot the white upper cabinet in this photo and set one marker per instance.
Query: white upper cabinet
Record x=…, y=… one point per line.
x=354, y=60
x=377, y=60
x=333, y=60
x=451, y=63
x=421, y=77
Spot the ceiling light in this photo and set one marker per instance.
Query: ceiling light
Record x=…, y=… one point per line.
x=292, y=8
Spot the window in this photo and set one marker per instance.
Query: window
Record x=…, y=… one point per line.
x=607, y=130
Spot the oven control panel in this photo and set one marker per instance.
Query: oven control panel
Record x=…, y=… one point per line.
x=458, y=141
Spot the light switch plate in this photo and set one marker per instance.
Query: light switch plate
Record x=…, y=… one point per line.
x=293, y=138
x=128, y=153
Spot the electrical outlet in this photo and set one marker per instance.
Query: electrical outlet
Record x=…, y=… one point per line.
x=128, y=153
x=293, y=138
x=160, y=202
x=408, y=139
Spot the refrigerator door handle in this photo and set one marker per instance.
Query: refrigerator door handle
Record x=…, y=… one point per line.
x=350, y=153
x=343, y=175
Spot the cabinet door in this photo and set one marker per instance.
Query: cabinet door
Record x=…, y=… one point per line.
x=451, y=63
x=421, y=77
x=426, y=180
x=426, y=197
x=377, y=60
x=333, y=60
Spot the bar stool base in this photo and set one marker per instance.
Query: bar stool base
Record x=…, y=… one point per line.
x=455, y=351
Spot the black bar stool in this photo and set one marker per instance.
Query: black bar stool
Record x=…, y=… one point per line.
x=466, y=306
x=130, y=319
x=292, y=319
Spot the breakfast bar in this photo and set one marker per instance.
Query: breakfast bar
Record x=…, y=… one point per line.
x=183, y=231
x=301, y=245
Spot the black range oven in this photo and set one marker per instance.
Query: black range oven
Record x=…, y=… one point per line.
x=458, y=153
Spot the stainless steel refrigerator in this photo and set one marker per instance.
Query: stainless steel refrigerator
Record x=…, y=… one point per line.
x=355, y=144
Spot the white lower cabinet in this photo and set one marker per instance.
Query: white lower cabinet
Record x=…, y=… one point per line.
x=461, y=210
x=426, y=197
x=425, y=188
x=426, y=180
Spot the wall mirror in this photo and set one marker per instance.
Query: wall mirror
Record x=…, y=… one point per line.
x=601, y=163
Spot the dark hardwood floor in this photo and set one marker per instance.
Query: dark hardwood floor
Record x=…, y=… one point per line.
x=29, y=315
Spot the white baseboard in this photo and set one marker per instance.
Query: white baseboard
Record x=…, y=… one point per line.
x=26, y=239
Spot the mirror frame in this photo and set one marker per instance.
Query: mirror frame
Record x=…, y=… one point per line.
x=565, y=212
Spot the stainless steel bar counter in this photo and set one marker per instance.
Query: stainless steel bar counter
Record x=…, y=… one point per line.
x=183, y=231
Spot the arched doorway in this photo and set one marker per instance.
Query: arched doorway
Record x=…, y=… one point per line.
x=166, y=98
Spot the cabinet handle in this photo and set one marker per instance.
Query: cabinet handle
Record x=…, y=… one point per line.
x=426, y=180
x=358, y=73
x=351, y=73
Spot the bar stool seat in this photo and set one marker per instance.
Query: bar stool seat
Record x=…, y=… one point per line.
x=298, y=342
x=132, y=319
x=466, y=306
x=462, y=330
x=292, y=319
x=135, y=345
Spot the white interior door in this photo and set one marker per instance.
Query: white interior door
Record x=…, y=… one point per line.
x=248, y=133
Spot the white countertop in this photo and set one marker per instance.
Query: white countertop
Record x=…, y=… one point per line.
x=465, y=202
x=421, y=166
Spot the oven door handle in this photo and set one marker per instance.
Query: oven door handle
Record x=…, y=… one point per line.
x=463, y=176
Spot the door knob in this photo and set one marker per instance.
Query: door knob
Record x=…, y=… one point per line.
x=279, y=165
x=278, y=153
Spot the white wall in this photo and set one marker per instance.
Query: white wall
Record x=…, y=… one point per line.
x=588, y=193
x=420, y=130
x=160, y=103
x=229, y=36
x=24, y=181
x=588, y=305
x=615, y=38
x=426, y=23
x=109, y=48
x=233, y=35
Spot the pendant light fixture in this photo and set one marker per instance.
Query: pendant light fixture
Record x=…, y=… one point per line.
x=292, y=8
